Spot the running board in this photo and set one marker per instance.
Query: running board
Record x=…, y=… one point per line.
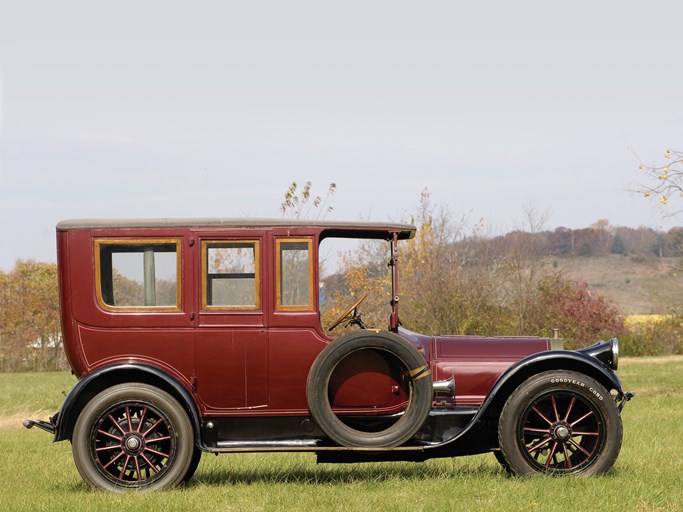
x=298, y=445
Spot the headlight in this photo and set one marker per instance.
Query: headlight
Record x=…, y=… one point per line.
x=607, y=352
x=615, y=353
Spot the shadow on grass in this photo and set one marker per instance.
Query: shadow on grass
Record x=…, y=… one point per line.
x=333, y=474
x=308, y=474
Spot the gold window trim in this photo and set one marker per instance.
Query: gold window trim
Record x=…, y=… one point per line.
x=278, y=275
x=138, y=241
x=257, y=276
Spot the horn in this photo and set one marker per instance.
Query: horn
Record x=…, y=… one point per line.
x=444, y=388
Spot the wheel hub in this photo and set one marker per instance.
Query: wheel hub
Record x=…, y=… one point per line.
x=561, y=432
x=133, y=444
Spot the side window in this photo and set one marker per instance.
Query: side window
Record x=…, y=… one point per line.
x=294, y=274
x=138, y=274
x=230, y=274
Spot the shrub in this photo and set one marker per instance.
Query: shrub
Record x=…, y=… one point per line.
x=657, y=336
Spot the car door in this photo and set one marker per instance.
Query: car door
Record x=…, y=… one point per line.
x=231, y=336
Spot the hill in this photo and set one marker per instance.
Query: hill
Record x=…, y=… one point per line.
x=636, y=283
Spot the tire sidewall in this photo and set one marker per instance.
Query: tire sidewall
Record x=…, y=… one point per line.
x=317, y=384
x=175, y=471
x=560, y=381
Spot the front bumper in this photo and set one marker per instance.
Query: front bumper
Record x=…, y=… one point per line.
x=48, y=426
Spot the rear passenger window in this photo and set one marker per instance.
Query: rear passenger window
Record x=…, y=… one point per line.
x=294, y=274
x=138, y=274
x=230, y=274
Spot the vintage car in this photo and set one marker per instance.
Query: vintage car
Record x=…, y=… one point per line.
x=204, y=335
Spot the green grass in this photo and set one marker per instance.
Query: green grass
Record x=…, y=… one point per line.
x=39, y=475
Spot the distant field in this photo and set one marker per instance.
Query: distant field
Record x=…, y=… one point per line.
x=39, y=475
x=638, y=286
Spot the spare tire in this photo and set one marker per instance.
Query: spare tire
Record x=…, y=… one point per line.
x=416, y=382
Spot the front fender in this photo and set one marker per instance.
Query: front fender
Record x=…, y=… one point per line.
x=88, y=387
x=578, y=361
x=480, y=435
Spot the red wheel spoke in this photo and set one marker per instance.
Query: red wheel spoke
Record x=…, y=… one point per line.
x=105, y=433
x=156, y=439
x=541, y=415
x=589, y=413
x=123, y=469
x=113, y=460
x=116, y=424
x=538, y=445
x=551, y=456
x=137, y=469
x=577, y=433
x=573, y=443
x=569, y=408
x=567, y=461
x=149, y=463
x=155, y=452
x=538, y=430
x=106, y=448
x=142, y=419
x=554, y=402
x=154, y=425
x=130, y=425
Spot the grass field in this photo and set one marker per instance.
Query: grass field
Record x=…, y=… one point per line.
x=38, y=475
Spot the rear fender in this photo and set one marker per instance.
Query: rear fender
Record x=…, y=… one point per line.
x=102, y=379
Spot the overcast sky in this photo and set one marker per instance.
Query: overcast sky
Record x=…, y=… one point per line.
x=168, y=109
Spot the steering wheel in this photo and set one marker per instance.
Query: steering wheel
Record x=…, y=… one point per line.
x=348, y=312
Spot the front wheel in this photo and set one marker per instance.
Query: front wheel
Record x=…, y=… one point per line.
x=134, y=436
x=560, y=422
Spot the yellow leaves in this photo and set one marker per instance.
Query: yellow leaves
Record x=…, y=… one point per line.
x=663, y=200
x=646, y=194
x=667, y=154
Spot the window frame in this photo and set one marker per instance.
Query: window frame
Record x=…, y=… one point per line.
x=100, y=242
x=310, y=306
x=257, y=275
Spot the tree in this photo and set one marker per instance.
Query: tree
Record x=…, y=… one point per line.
x=523, y=259
x=617, y=245
x=665, y=183
x=581, y=316
x=30, y=331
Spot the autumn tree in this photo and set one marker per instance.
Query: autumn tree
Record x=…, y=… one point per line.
x=30, y=331
x=581, y=316
x=448, y=281
x=664, y=183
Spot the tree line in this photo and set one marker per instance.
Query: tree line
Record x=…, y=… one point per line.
x=601, y=239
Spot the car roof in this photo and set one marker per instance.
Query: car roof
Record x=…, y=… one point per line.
x=344, y=229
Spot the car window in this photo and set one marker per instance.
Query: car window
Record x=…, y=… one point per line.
x=230, y=271
x=294, y=274
x=134, y=274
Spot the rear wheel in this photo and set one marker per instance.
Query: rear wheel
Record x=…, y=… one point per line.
x=560, y=422
x=134, y=436
x=194, y=464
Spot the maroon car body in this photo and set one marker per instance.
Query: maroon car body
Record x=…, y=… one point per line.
x=217, y=323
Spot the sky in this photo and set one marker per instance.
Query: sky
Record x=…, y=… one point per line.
x=211, y=109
